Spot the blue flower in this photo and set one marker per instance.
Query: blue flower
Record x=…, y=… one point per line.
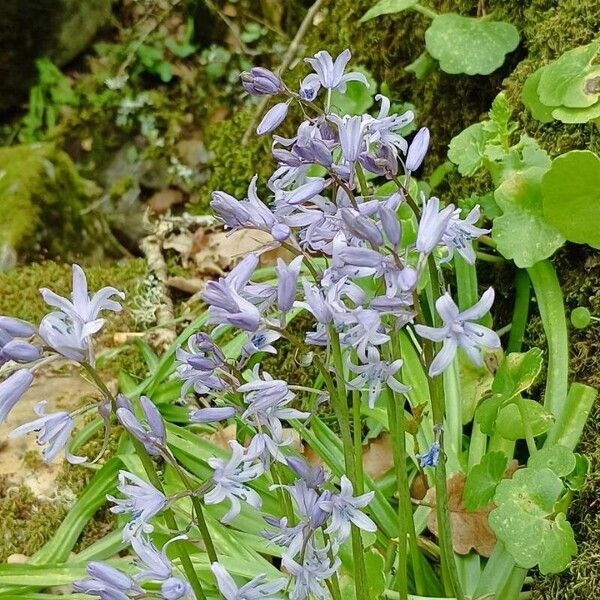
x=142, y=501
x=431, y=457
x=256, y=589
x=458, y=331
x=11, y=390
x=261, y=82
x=154, y=436
x=329, y=74
x=54, y=431
x=106, y=582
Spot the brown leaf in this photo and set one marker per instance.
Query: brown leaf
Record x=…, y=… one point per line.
x=161, y=202
x=377, y=457
x=470, y=530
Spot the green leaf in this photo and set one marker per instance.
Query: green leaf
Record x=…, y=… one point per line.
x=387, y=7
x=467, y=149
x=482, y=480
x=559, y=459
x=510, y=425
x=571, y=196
x=423, y=66
x=357, y=99
x=475, y=382
x=523, y=520
x=581, y=317
x=375, y=568
x=517, y=372
x=577, y=115
x=577, y=478
x=531, y=98
x=572, y=79
x=471, y=46
x=521, y=232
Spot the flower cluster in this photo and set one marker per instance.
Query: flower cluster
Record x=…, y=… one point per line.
x=361, y=258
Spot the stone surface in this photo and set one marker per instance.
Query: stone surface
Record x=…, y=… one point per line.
x=30, y=29
x=41, y=202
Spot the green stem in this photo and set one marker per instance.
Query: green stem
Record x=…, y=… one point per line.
x=154, y=479
x=340, y=404
x=406, y=525
x=358, y=449
x=424, y=10
x=526, y=426
x=436, y=392
x=364, y=188
x=197, y=504
x=552, y=311
x=520, y=311
x=170, y=521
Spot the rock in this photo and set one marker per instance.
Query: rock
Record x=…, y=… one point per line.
x=30, y=29
x=41, y=202
x=161, y=202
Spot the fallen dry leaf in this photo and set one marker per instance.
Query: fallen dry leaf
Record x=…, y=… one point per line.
x=377, y=457
x=470, y=530
x=160, y=202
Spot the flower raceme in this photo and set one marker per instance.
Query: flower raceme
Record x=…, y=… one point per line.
x=354, y=268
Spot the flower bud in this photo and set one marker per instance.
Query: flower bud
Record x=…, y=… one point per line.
x=19, y=351
x=418, y=149
x=273, y=119
x=11, y=389
x=261, y=82
x=212, y=415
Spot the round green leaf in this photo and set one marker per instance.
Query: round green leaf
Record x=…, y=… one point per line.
x=559, y=459
x=467, y=149
x=522, y=520
x=571, y=196
x=471, y=46
x=510, y=425
x=577, y=115
x=572, y=79
x=521, y=232
x=581, y=317
x=531, y=98
x=482, y=480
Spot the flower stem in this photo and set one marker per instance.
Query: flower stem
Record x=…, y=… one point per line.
x=358, y=449
x=406, y=525
x=168, y=516
x=340, y=404
x=436, y=391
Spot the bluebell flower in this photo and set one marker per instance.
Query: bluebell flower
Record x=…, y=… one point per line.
x=212, y=415
x=432, y=225
x=364, y=329
x=226, y=305
x=301, y=194
x=154, y=563
x=54, y=432
x=256, y=589
x=200, y=365
x=459, y=331
x=351, y=133
x=106, y=582
x=142, y=501
x=329, y=74
x=310, y=576
x=230, y=478
x=345, y=511
x=431, y=457
x=382, y=131
x=418, y=150
x=261, y=82
x=260, y=341
x=152, y=437
x=273, y=118
x=17, y=350
x=175, y=588
x=460, y=233
x=287, y=280
x=289, y=537
x=11, y=390
x=361, y=227
x=374, y=374
x=251, y=212
x=81, y=307
x=314, y=477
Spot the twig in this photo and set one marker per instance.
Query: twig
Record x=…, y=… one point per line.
x=151, y=246
x=288, y=57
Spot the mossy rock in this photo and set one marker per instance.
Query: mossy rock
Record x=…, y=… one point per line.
x=41, y=206
x=30, y=29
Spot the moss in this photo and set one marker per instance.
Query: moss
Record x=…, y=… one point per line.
x=41, y=202
x=27, y=521
x=20, y=288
